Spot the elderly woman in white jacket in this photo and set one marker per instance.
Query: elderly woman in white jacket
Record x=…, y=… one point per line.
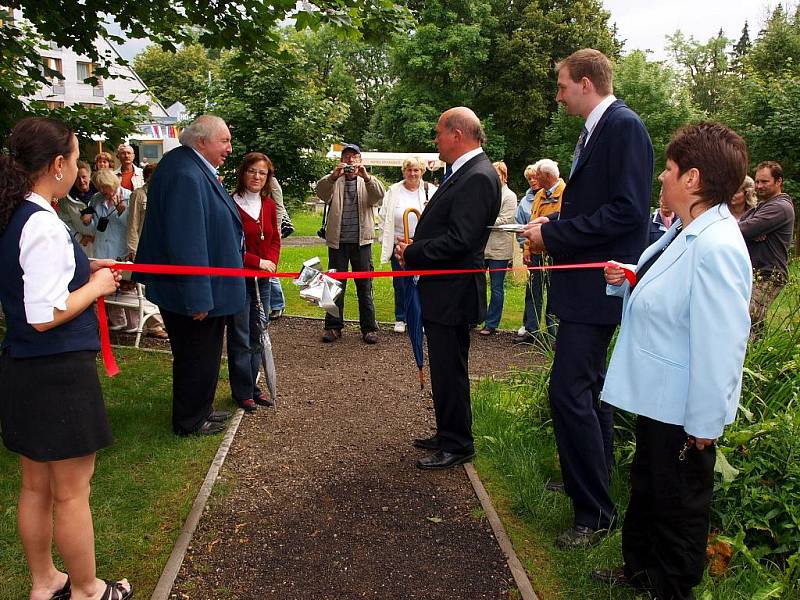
x=411, y=192
x=677, y=363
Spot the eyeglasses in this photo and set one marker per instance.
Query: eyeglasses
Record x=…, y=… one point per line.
x=256, y=172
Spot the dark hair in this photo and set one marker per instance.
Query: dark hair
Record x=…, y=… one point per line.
x=592, y=64
x=775, y=168
x=33, y=145
x=147, y=172
x=250, y=159
x=719, y=153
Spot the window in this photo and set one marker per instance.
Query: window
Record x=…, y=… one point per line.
x=6, y=17
x=51, y=104
x=85, y=70
x=54, y=64
x=90, y=105
x=152, y=151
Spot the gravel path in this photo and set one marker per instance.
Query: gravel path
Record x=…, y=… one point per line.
x=320, y=499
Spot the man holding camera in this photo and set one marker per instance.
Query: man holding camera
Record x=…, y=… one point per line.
x=351, y=193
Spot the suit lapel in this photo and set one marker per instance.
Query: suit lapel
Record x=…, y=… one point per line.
x=675, y=249
x=598, y=129
x=451, y=181
x=215, y=184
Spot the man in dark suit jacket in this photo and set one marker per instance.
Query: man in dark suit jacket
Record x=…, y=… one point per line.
x=451, y=234
x=191, y=220
x=604, y=215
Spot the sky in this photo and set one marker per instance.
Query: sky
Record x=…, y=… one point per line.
x=645, y=23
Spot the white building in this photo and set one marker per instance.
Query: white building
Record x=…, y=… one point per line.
x=70, y=88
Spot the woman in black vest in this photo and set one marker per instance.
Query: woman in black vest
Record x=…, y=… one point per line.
x=51, y=407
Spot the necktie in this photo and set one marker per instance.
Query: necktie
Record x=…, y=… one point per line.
x=578, y=149
x=448, y=170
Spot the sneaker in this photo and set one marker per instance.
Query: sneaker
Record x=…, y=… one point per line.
x=276, y=314
x=522, y=330
x=399, y=327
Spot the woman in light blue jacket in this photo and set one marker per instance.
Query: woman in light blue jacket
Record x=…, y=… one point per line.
x=678, y=360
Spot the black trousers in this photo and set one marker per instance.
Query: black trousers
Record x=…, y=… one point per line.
x=583, y=425
x=448, y=354
x=666, y=524
x=360, y=257
x=196, y=355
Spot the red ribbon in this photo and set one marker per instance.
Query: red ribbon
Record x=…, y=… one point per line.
x=105, y=339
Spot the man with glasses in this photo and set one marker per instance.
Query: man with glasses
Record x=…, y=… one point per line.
x=351, y=193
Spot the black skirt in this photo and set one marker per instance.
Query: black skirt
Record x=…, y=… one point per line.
x=51, y=407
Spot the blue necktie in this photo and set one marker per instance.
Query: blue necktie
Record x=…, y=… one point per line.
x=578, y=149
x=448, y=170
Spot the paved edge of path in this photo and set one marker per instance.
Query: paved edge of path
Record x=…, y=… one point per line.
x=170, y=573
x=517, y=570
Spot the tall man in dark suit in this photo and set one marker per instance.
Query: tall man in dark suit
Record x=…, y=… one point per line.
x=191, y=220
x=451, y=234
x=604, y=215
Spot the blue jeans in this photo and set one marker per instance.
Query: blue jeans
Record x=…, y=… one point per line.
x=497, y=297
x=244, y=343
x=276, y=300
x=538, y=286
x=400, y=285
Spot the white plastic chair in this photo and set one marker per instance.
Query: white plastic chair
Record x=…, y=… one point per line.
x=138, y=302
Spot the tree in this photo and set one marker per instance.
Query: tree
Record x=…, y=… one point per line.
x=496, y=56
x=706, y=69
x=273, y=105
x=740, y=51
x=777, y=48
x=438, y=65
x=178, y=76
x=350, y=71
x=250, y=25
x=652, y=89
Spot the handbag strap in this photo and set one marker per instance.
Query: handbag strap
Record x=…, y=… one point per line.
x=324, y=215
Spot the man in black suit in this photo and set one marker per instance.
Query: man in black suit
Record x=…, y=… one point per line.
x=604, y=215
x=451, y=234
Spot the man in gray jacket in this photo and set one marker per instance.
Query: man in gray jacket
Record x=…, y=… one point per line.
x=767, y=231
x=351, y=193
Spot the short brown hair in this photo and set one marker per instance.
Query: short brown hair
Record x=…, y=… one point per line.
x=719, y=153
x=250, y=159
x=147, y=171
x=775, y=168
x=592, y=64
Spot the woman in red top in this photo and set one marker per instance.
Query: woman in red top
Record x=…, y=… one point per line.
x=262, y=242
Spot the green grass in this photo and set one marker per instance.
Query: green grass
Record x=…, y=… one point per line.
x=143, y=487
x=516, y=457
x=292, y=258
x=306, y=222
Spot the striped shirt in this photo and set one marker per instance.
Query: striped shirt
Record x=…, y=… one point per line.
x=349, y=231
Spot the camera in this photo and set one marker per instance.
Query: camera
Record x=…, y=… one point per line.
x=321, y=232
x=89, y=210
x=349, y=169
x=102, y=223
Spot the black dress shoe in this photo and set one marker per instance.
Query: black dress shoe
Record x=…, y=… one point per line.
x=431, y=443
x=207, y=428
x=579, y=536
x=443, y=460
x=219, y=416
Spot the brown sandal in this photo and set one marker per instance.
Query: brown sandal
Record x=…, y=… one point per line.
x=115, y=591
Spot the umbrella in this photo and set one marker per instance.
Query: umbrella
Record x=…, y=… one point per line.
x=414, y=309
x=267, y=361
